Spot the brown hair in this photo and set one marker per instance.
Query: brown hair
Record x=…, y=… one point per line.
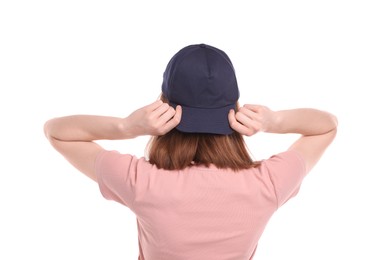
x=177, y=150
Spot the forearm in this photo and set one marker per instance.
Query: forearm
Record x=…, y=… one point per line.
x=85, y=128
x=305, y=121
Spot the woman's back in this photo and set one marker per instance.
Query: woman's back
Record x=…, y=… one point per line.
x=199, y=212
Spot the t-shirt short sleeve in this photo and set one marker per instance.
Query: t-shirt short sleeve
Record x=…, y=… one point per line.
x=286, y=171
x=116, y=175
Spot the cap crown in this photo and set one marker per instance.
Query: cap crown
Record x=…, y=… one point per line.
x=200, y=76
x=201, y=79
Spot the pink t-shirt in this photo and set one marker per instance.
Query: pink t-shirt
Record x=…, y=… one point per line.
x=199, y=213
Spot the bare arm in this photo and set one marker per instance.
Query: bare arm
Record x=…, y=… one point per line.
x=73, y=136
x=317, y=128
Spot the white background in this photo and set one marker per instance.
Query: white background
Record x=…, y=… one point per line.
x=107, y=57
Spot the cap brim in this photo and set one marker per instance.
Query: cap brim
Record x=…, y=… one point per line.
x=205, y=120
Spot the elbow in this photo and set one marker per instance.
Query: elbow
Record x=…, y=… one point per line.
x=47, y=129
x=334, y=122
x=334, y=126
x=331, y=126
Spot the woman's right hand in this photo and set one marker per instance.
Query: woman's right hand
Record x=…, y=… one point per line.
x=317, y=128
x=250, y=119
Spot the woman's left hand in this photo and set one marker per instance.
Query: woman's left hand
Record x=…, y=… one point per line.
x=155, y=119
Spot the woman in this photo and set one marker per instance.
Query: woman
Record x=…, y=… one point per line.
x=198, y=195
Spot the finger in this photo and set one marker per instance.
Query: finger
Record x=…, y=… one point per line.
x=243, y=118
x=153, y=106
x=176, y=118
x=253, y=125
x=254, y=108
x=235, y=125
x=249, y=113
x=166, y=116
x=231, y=117
x=178, y=114
x=174, y=121
x=159, y=111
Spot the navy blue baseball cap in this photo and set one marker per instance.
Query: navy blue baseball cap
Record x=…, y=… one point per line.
x=201, y=79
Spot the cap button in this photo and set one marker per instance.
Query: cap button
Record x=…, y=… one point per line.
x=202, y=45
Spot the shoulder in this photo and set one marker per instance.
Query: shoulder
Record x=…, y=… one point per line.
x=286, y=172
x=110, y=164
x=285, y=161
x=117, y=158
